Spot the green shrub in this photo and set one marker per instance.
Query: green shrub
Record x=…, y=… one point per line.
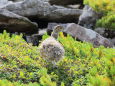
x=8, y=83
x=107, y=21
x=103, y=6
x=107, y=8
x=20, y=64
x=82, y=61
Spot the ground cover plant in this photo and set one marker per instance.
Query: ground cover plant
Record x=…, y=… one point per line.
x=83, y=65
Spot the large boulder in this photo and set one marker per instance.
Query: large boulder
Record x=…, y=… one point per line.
x=113, y=40
x=87, y=35
x=88, y=18
x=65, y=2
x=15, y=23
x=109, y=33
x=4, y=2
x=35, y=39
x=82, y=34
x=43, y=10
x=16, y=0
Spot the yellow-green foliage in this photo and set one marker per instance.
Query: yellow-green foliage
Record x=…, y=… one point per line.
x=83, y=65
x=104, y=6
x=107, y=21
x=107, y=8
x=8, y=83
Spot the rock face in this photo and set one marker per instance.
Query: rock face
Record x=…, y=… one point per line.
x=83, y=34
x=87, y=35
x=113, y=40
x=16, y=0
x=34, y=39
x=15, y=23
x=65, y=2
x=88, y=17
x=4, y=2
x=109, y=33
x=43, y=10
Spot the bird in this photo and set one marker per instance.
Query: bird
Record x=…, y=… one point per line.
x=51, y=49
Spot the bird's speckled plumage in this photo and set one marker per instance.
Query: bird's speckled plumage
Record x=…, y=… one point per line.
x=50, y=48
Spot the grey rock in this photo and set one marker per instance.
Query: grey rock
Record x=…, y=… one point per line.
x=42, y=31
x=16, y=0
x=88, y=17
x=43, y=10
x=45, y=0
x=15, y=23
x=99, y=30
x=29, y=39
x=113, y=40
x=65, y=2
x=34, y=39
x=87, y=35
x=23, y=0
x=76, y=6
x=4, y=3
x=109, y=33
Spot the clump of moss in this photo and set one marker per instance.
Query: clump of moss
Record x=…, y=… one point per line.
x=82, y=62
x=18, y=60
x=107, y=21
x=8, y=83
x=103, y=6
x=20, y=64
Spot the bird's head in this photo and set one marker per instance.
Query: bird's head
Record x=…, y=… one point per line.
x=58, y=28
x=56, y=31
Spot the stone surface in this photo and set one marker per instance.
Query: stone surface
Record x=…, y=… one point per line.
x=15, y=23
x=87, y=35
x=34, y=39
x=101, y=31
x=4, y=3
x=76, y=6
x=42, y=31
x=43, y=10
x=15, y=0
x=83, y=34
x=113, y=40
x=65, y=2
x=109, y=33
x=88, y=17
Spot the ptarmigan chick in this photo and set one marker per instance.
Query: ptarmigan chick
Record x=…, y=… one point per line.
x=50, y=49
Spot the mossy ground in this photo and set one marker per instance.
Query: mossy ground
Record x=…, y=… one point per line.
x=83, y=65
